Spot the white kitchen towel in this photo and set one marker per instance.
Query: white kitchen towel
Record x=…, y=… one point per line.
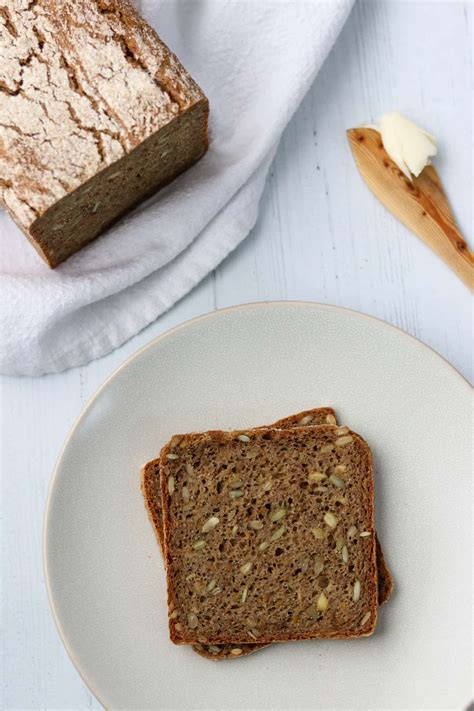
x=255, y=60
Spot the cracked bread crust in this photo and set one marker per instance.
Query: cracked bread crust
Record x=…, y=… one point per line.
x=84, y=86
x=258, y=586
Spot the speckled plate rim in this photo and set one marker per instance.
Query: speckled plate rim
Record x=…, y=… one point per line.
x=218, y=313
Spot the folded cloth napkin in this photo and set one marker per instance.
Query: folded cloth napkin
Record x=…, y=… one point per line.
x=255, y=60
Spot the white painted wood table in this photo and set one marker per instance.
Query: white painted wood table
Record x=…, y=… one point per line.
x=321, y=236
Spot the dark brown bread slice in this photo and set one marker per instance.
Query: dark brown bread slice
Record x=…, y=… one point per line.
x=96, y=114
x=269, y=535
x=152, y=493
x=151, y=489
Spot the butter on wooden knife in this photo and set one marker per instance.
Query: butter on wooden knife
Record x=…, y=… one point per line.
x=394, y=160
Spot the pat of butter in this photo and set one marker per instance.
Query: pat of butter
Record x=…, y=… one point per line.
x=408, y=145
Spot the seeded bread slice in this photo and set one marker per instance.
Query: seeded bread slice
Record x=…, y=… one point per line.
x=151, y=490
x=152, y=493
x=274, y=539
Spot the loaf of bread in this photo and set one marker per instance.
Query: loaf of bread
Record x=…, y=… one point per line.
x=269, y=535
x=96, y=114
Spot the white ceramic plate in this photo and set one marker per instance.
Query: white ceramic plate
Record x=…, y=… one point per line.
x=239, y=368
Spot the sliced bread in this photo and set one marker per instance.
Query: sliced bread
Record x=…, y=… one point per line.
x=152, y=494
x=269, y=535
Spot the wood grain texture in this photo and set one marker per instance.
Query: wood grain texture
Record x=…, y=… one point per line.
x=320, y=236
x=421, y=203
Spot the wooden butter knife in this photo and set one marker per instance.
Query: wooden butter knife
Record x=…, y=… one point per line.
x=421, y=204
